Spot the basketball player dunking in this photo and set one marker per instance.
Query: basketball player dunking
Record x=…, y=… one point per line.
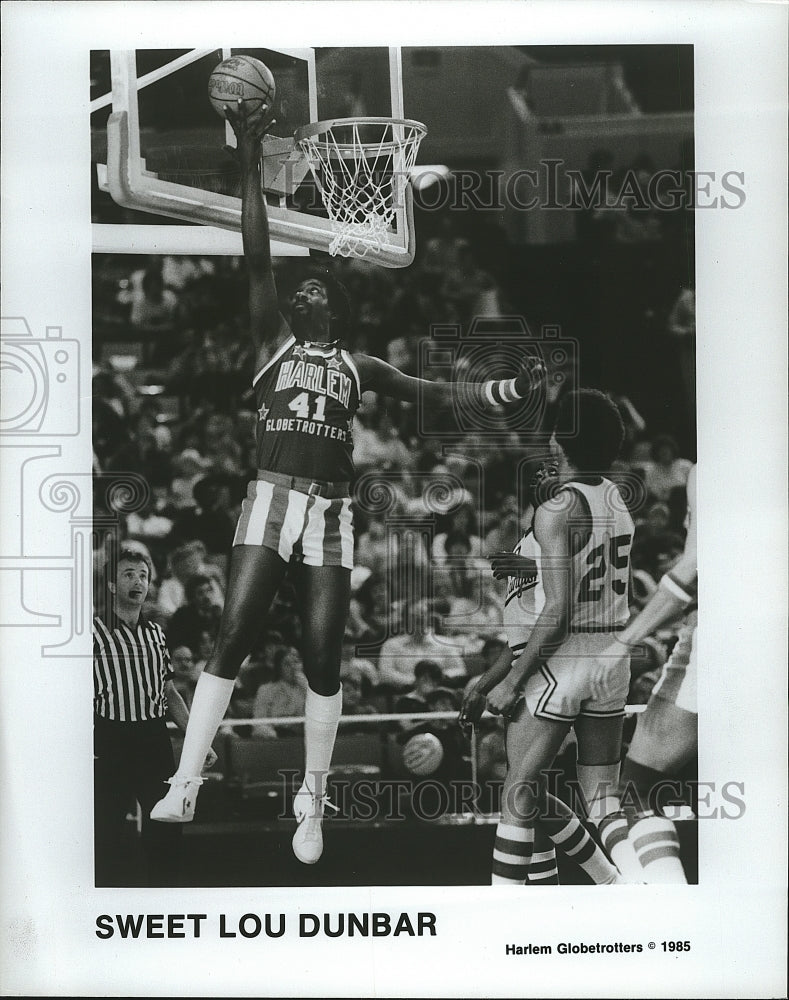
x=307, y=388
x=567, y=595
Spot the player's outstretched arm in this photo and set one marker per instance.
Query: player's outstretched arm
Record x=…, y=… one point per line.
x=266, y=323
x=676, y=589
x=378, y=376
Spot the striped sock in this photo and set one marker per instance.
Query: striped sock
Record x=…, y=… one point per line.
x=512, y=852
x=570, y=835
x=613, y=830
x=655, y=841
x=543, y=870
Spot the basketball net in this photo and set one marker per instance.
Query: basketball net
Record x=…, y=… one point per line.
x=361, y=168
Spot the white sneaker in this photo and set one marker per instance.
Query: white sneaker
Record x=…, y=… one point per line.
x=178, y=805
x=308, y=839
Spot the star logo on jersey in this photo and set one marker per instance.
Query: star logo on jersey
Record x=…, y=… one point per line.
x=334, y=363
x=263, y=413
x=299, y=352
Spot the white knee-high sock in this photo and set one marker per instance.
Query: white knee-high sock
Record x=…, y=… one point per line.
x=656, y=844
x=322, y=715
x=599, y=786
x=542, y=868
x=613, y=830
x=211, y=698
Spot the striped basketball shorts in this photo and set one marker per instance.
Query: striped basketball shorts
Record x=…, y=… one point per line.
x=677, y=682
x=292, y=523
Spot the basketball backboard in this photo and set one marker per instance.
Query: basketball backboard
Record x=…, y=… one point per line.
x=158, y=147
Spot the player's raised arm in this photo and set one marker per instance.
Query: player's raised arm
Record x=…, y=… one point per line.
x=266, y=322
x=378, y=376
x=677, y=588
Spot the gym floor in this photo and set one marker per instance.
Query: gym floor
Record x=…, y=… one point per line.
x=356, y=853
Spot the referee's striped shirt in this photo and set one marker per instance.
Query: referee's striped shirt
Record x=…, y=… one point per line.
x=130, y=669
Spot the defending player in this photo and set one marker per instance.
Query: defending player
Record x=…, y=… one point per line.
x=307, y=389
x=666, y=736
x=567, y=592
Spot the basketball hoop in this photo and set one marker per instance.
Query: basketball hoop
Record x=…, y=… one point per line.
x=361, y=169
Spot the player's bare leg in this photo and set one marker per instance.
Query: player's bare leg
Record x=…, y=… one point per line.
x=255, y=575
x=324, y=593
x=532, y=744
x=599, y=752
x=665, y=741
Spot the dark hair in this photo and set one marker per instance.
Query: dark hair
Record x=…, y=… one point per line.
x=194, y=582
x=187, y=549
x=365, y=685
x=600, y=431
x=441, y=692
x=364, y=595
x=429, y=668
x=152, y=277
x=337, y=294
x=128, y=551
x=279, y=657
x=663, y=441
x=466, y=510
x=669, y=541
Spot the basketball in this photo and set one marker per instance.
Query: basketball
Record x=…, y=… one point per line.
x=423, y=754
x=241, y=78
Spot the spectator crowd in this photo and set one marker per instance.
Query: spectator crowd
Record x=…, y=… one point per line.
x=172, y=403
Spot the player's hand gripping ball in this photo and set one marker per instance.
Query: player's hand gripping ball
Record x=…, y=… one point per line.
x=244, y=79
x=423, y=754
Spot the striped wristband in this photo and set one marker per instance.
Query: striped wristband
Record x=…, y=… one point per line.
x=497, y=393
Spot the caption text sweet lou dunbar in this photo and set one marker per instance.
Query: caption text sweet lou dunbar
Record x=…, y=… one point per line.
x=273, y=925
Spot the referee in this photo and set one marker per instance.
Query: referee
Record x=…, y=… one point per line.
x=133, y=696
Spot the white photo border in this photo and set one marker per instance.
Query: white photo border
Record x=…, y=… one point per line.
x=735, y=917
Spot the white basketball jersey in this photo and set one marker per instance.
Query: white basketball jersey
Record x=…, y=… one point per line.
x=601, y=536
